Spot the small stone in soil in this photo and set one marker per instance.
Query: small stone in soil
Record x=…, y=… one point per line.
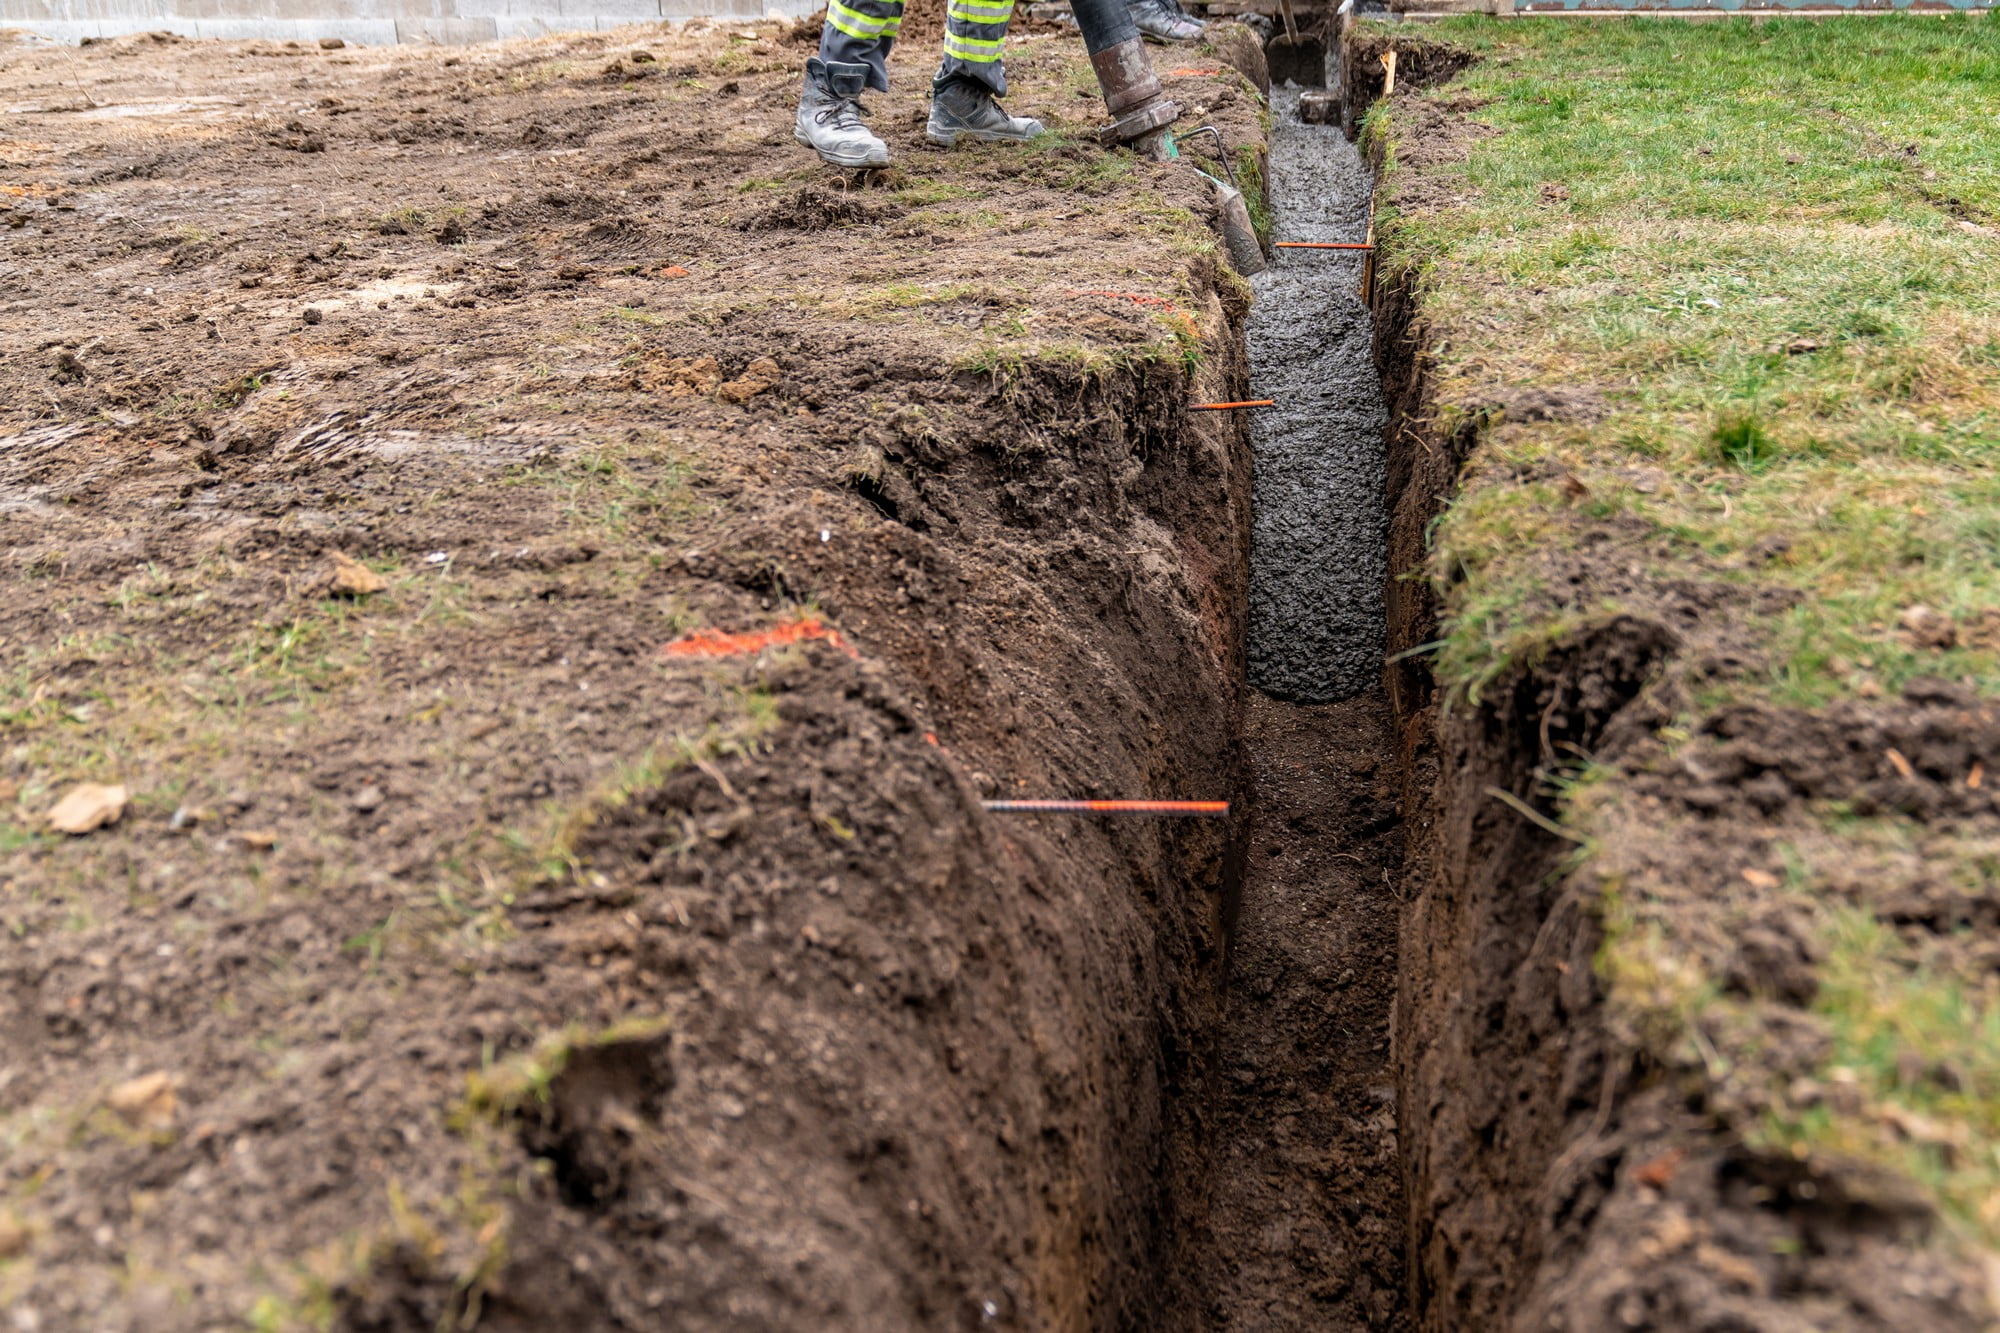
x=368, y=800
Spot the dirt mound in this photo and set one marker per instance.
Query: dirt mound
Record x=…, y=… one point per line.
x=815, y=209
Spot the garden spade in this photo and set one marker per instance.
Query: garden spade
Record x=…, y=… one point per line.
x=1296, y=59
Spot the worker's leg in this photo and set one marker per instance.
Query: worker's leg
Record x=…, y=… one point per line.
x=972, y=75
x=861, y=32
x=853, y=56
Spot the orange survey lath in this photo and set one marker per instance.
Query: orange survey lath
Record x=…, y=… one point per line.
x=1223, y=407
x=715, y=643
x=1067, y=807
x=1153, y=302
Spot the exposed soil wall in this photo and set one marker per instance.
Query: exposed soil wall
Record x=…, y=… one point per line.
x=932, y=1059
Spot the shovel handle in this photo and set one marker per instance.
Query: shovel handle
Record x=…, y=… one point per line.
x=1291, y=27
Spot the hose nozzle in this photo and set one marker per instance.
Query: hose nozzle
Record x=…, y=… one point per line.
x=1140, y=109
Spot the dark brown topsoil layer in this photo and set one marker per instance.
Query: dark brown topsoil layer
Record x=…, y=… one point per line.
x=1300, y=1229
x=1560, y=1173
x=570, y=342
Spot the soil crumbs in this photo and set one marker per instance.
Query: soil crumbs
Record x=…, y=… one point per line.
x=444, y=953
x=1302, y=1228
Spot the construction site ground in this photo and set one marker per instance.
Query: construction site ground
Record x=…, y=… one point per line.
x=1691, y=336
x=519, y=582
x=373, y=420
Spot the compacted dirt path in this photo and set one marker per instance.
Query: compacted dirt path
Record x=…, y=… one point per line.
x=1302, y=1230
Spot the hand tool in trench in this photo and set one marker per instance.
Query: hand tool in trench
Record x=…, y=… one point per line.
x=1141, y=113
x=1239, y=233
x=1296, y=59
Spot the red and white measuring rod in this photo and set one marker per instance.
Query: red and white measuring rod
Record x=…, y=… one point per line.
x=1325, y=245
x=1108, y=807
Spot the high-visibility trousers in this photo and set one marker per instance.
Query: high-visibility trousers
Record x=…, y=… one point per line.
x=862, y=31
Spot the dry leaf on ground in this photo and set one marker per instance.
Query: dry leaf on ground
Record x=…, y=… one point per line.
x=88, y=807
x=351, y=578
x=146, y=1101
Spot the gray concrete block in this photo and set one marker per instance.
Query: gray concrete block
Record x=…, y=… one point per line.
x=353, y=31
x=598, y=10
x=497, y=9
x=61, y=30
x=520, y=26
x=447, y=32
x=16, y=13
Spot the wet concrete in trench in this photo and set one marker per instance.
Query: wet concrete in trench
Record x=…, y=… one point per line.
x=1303, y=1225
x=1319, y=536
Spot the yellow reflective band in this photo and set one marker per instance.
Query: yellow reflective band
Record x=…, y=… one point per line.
x=853, y=22
x=970, y=11
x=971, y=48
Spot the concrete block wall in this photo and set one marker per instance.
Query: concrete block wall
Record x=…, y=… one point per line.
x=366, y=22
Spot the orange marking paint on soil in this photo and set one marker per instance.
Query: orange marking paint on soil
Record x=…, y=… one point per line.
x=715, y=643
x=1108, y=807
x=673, y=271
x=1193, y=73
x=1154, y=302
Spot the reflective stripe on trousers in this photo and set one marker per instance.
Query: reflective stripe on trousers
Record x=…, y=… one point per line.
x=973, y=30
x=861, y=32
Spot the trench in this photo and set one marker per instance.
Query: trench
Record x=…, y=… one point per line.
x=1303, y=1221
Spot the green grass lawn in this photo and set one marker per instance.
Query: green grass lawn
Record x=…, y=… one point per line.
x=1794, y=320
x=1768, y=255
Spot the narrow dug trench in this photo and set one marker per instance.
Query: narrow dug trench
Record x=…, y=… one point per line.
x=1303, y=1226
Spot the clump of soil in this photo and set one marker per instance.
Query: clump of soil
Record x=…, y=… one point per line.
x=815, y=209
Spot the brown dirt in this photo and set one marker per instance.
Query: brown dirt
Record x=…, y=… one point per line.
x=1300, y=1229
x=395, y=867
x=1562, y=1171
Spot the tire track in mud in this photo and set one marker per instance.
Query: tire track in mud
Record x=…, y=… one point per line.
x=1302, y=1228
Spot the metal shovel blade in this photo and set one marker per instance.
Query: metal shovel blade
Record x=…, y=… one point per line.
x=1300, y=60
x=1296, y=59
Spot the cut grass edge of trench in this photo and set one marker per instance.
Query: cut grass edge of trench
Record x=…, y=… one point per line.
x=1755, y=260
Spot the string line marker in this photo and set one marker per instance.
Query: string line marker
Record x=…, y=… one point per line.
x=1325, y=245
x=1108, y=807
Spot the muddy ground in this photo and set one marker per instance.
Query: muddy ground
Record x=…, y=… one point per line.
x=461, y=958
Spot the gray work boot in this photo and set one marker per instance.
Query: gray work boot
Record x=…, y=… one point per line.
x=962, y=109
x=1164, y=21
x=829, y=119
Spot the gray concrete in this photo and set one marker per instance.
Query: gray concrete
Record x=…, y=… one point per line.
x=366, y=22
x=1319, y=530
